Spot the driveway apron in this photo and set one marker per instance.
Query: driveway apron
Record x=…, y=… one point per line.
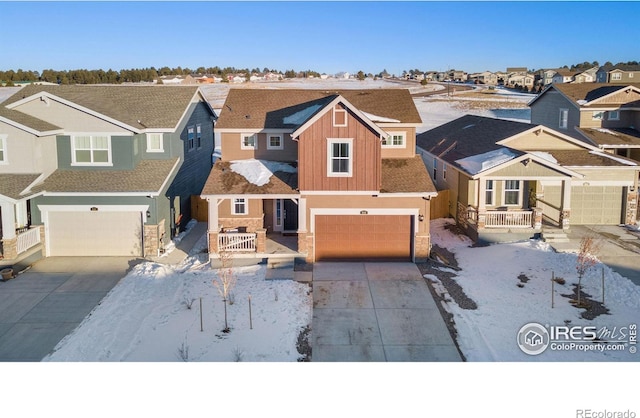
x=45, y=303
x=376, y=312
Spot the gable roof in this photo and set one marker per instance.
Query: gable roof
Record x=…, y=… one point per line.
x=583, y=94
x=137, y=108
x=276, y=108
x=224, y=181
x=617, y=137
x=405, y=175
x=27, y=123
x=13, y=185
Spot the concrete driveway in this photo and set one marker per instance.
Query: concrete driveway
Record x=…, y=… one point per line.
x=45, y=303
x=376, y=312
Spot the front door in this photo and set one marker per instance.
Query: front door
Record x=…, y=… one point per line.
x=290, y=215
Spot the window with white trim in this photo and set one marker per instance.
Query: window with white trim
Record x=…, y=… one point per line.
x=339, y=117
x=249, y=141
x=564, y=119
x=511, y=192
x=435, y=169
x=613, y=115
x=394, y=140
x=488, y=194
x=198, y=136
x=3, y=149
x=274, y=141
x=239, y=206
x=91, y=150
x=339, y=157
x=616, y=76
x=154, y=142
x=191, y=134
x=444, y=171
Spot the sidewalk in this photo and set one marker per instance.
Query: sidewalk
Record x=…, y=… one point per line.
x=185, y=245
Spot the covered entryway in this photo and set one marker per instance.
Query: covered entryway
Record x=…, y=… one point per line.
x=94, y=233
x=596, y=205
x=363, y=237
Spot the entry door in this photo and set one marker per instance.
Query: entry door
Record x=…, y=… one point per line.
x=290, y=215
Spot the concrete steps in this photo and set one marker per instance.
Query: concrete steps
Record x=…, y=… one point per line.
x=554, y=235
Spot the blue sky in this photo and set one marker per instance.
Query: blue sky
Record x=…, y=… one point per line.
x=323, y=36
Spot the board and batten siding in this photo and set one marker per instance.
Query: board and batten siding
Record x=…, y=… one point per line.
x=313, y=154
x=546, y=111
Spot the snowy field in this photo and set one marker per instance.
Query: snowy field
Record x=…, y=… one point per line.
x=490, y=277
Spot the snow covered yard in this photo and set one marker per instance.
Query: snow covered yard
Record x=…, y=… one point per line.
x=153, y=314
x=511, y=286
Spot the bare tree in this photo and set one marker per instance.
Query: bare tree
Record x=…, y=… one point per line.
x=587, y=258
x=225, y=281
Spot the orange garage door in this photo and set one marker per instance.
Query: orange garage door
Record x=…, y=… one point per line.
x=362, y=236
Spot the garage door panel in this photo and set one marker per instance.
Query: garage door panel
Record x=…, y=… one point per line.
x=362, y=236
x=598, y=205
x=95, y=233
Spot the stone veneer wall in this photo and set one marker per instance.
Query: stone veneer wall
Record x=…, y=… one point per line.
x=631, y=212
x=252, y=224
x=422, y=247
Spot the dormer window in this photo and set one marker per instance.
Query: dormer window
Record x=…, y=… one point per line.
x=91, y=150
x=394, y=140
x=154, y=142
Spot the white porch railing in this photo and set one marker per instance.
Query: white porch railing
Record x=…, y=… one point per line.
x=508, y=219
x=236, y=242
x=27, y=239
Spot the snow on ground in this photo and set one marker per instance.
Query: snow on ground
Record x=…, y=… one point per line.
x=489, y=276
x=146, y=318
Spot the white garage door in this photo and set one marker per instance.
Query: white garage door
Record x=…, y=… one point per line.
x=596, y=205
x=95, y=233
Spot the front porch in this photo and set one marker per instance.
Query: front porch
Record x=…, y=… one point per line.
x=254, y=245
x=25, y=246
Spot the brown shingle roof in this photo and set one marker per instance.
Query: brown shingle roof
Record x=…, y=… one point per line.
x=26, y=120
x=589, y=91
x=153, y=106
x=585, y=158
x=266, y=108
x=222, y=180
x=405, y=175
x=11, y=185
x=625, y=137
x=147, y=177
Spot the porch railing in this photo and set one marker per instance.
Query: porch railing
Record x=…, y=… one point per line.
x=27, y=238
x=236, y=242
x=508, y=219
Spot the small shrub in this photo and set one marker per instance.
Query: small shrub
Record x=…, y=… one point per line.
x=559, y=280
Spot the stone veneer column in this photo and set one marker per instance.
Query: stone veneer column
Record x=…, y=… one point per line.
x=537, y=218
x=151, y=240
x=10, y=248
x=422, y=247
x=564, y=218
x=261, y=240
x=213, y=243
x=632, y=208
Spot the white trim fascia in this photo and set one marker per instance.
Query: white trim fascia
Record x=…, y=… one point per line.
x=339, y=192
x=76, y=106
x=254, y=130
x=602, y=183
x=103, y=208
x=313, y=212
x=523, y=157
x=330, y=106
x=249, y=196
x=96, y=194
x=416, y=194
x=31, y=131
x=550, y=131
x=392, y=125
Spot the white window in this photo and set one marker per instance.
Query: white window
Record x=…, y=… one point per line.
x=394, y=140
x=444, y=171
x=613, y=115
x=3, y=149
x=339, y=117
x=239, y=206
x=435, y=169
x=249, y=141
x=597, y=115
x=488, y=195
x=616, y=76
x=155, y=143
x=274, y=141
x=198, y=136
x=191, y=134
x=339, y=157
x=91, y=150
x=511, y=192
x=564, y=119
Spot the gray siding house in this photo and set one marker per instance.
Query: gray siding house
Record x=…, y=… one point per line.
x=115, y=167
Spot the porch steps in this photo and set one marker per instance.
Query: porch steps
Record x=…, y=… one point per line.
x=280, y=269
x=554, y=235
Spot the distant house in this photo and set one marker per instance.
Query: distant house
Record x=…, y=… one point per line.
x=622, y=74
x=545, y=76
x=517, y=70
x=511, y=180
x=602, y=115
x=100, y=170
x=175, y=79
x=336, y=168
x=516, y=79
x=236, y=78
x=587, y=76
x=563, y=76
x=485, y=77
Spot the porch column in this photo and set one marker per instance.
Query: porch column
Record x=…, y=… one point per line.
x=213, y=226
x=8, y=238
x=261, y=240
x=482, y=197
x=631, y=206
x=565, y=213
x=302, y=214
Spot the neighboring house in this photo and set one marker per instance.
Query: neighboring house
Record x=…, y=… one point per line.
x=564, y=76
x=337, y=168
x=587, y=76
x=516, y=79
x=176, y=79
x=506, y=178
x=623, y=74
x=603, y=115
x=517, y=70
x=101, y=170
x=544, y=77
x=486, y=77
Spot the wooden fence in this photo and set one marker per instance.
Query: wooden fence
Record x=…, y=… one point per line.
x=440, y=205
x=199, y=209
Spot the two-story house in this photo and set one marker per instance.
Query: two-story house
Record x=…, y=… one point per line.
x=101, y=170
x=602, y=115
x=623, y=74
x=337, y=168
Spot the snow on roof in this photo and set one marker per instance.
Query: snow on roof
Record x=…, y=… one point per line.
x=544, y=156
x=481, y=162
x=613, y=157
x=259, y=172
x=301, y=117
x=607, y=131
x=375, y=118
